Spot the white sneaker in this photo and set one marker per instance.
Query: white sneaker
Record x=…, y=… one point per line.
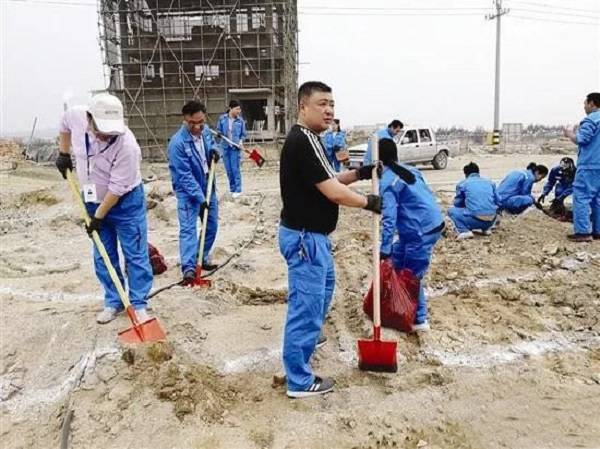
x=107, y=315
x=421, y=327
x=235, y=195
x=465, y=235
x=142, y=315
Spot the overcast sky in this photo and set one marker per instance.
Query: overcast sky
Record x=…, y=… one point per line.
x=421, y=65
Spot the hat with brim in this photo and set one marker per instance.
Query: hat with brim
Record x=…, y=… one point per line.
x=107, y=112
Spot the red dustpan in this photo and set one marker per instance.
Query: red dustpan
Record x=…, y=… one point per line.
x=198, y=281
x=376, y=354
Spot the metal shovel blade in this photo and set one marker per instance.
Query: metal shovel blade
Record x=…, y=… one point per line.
x=377, y=355
x=198, y=281
x=257, y=158
x=148, y=331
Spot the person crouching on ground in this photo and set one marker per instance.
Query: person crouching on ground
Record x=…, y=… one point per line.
x=561, y=181
x=475, y=204
x=514, y=191
x=108, y=160
x=410, y=211
x=311, y=191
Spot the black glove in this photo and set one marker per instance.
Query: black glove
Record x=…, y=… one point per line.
x=64, y=163
x=373, y=203
x=383, y=256
x=541, y=199
x=214, y=155
x=366, y=171
x=95, y=225
x=203, y=207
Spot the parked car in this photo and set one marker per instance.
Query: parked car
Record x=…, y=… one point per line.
x=415, y=146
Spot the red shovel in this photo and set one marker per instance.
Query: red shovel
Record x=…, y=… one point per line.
x=252, y=154
x=376, y=354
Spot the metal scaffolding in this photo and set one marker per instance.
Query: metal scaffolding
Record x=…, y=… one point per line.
x=158, y=54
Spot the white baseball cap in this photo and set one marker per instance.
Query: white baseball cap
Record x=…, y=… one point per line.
x=107, y=112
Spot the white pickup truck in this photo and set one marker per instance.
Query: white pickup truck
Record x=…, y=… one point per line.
x=415, y=146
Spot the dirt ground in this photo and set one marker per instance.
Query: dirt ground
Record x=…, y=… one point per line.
x=512, y=360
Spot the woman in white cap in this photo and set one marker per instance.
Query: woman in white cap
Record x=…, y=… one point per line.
x=107, y=160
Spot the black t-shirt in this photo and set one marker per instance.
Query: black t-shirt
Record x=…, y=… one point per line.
x=304, y=164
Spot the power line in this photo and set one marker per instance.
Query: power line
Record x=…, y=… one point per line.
x=361, y=8
x=381, y=14
x=543, y=19
x=52, y=2
x=555, y=13
x=547, y=5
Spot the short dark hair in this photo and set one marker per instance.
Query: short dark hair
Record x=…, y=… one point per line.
x=234, y=104
x=541, y=169
x=395, y=124
x=307, y=89
x=470, y=168
x=594, y=98
x=191, y=107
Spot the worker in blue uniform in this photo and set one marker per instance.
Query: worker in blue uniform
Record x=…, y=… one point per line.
x=586, y=187
x=514, y=191
x=560, y=180
x=392, y=130
x=192, y=150
x=233, y=126
x=475, y=204
x=409, y=211
x=335, y=141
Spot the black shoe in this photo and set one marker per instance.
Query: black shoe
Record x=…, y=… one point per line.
x=189, y=276
x=596, y=236
x=209, y=266
x=319, y=386
x=322, y=340
x=580, y=237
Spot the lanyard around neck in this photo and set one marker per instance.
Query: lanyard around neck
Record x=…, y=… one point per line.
x=87, y=149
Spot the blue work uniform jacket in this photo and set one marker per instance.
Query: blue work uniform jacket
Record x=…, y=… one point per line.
x=334, y=141
x=408, y=209
x=588, y=142
x=516, y=183
x=564, y=186
x=187, y=175
x=383, y=133
x=478, y=195
x=238, y=130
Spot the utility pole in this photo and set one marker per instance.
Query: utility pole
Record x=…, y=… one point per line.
x=497, y=16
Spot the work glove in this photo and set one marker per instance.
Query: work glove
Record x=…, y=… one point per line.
x=366, y=171
x=541, y=199
x=214, y=155
x=203, y=207
x=95, y=225
x=373, y=203
x=64, y=163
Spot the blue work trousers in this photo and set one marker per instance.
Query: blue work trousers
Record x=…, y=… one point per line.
x=188, y=213
x=465, y=222
x=311, y=281
x=414, y=253
x=125, y=225
x=517, y=204
x=586, y=196
x=232, y=158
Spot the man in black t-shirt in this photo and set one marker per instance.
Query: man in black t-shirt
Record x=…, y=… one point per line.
x=312, y=192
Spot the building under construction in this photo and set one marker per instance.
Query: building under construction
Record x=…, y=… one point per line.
x=159, y=54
